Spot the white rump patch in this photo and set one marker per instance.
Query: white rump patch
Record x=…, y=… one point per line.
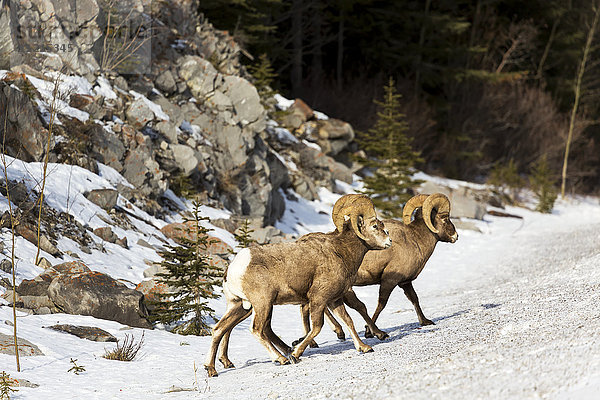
x=235, y=273
x=346, y=217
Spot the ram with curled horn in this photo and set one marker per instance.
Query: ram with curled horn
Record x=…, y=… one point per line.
x=426, y=221
x=315, y=270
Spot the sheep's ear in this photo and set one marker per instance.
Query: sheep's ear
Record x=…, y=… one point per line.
x=361, y=223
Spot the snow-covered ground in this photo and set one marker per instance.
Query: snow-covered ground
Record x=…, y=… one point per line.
x=516, y=309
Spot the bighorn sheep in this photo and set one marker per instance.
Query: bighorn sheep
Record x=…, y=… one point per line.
x=413, y=243
x=316, y=270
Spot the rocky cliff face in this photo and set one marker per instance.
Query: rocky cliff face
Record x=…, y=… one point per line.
x=173, y=107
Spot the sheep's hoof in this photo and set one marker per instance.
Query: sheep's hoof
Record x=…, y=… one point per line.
x=427, y=322
x=368, y=333
x=313, y=344
x=297, y=341
x=212, y=372
x=293, y=359
x=366, y=349
x=226, y=363
x=282, y=361
x=341, y=335
x=381, y=335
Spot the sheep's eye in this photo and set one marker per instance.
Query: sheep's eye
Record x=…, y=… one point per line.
x=374, y=226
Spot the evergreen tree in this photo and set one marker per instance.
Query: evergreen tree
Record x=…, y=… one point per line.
x=390, y=155
x=543, y=186
x=243, y=236
x=262, y=71
x=190, y=278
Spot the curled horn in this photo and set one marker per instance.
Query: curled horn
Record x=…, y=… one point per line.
x=343, y=206
x=436, y=201
x=353, y=205
x=411, y=205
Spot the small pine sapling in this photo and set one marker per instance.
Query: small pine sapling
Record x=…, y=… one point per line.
x=263, y=74
x=191, y=279
x=505, y=178
x=5, y=386
x=243, y=235
x=542, y=185
x=76, y=369
x=390, y=156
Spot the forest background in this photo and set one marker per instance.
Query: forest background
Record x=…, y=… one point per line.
x=485, y=84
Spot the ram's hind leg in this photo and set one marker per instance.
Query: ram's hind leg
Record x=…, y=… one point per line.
x=316, y=316
x=261, y=329
x=305, y=313
x=385, y=290
x=224, y=348
x=231, y=318
x=340, y=311
x=335, y=326
x=410, y=293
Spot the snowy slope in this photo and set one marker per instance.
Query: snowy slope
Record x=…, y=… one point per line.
x=516, y=311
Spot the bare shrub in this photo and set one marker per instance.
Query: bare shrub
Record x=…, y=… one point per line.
x=126, y=350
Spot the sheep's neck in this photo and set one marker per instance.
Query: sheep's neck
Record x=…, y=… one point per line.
x=425, y=241
x=352, y=251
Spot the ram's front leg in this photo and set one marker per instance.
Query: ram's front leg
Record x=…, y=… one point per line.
x=340, y=311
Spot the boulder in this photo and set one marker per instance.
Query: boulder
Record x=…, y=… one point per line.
x=88, y=104
x=245, y=100
x=103, y=198
x=178, y=230
x=462, y=201
x=85, y=332
x=184, y=158
x=25, y=134
x=30, y=234
x=297, y=114
x=26, y=348
x=105, y=147
x=98, y=295
x=138, y=113
x=166, y=82
x=199, y=75
x=168, y=130
x=6, y=265
x=105, y=233
x=152, y=289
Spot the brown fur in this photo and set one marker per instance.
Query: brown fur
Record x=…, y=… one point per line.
x=399, y=265
x=315, y=270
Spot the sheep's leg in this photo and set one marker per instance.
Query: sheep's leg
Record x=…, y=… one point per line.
x=260, y=329
x=335, y=326
x=340, y=311
x=224, y=348
x=354, y=302
x=316, y=316
x=234, y=314
x=385, y=290
x=409, y=291
x=305, y=313
x=276, y=340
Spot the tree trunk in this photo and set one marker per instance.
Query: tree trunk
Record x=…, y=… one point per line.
x=580, y=72
x=340, y=51
x=297, y=46
x=317, y=60
x=420, y=53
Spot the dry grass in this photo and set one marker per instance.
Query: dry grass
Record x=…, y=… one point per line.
x=126, y=350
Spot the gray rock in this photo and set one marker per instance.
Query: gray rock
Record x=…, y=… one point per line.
x=245, y=99
x=175, y=113
x=43, y=311
x=8, y=30
x=166, y=82
x=85, y=332
x=106, y=147
x=138, y=113
x=98, y=295
x=105, y=233
x=153, y=270
x=463, y=203
x=44, y=263
x=134, y=167
x=184, y=157
x=265, y=235
x=199, y=75
x=36, y=302
x=26, y=348
x=168, y=129
x=104, y=198
x=6, y=265
x=26, y=136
